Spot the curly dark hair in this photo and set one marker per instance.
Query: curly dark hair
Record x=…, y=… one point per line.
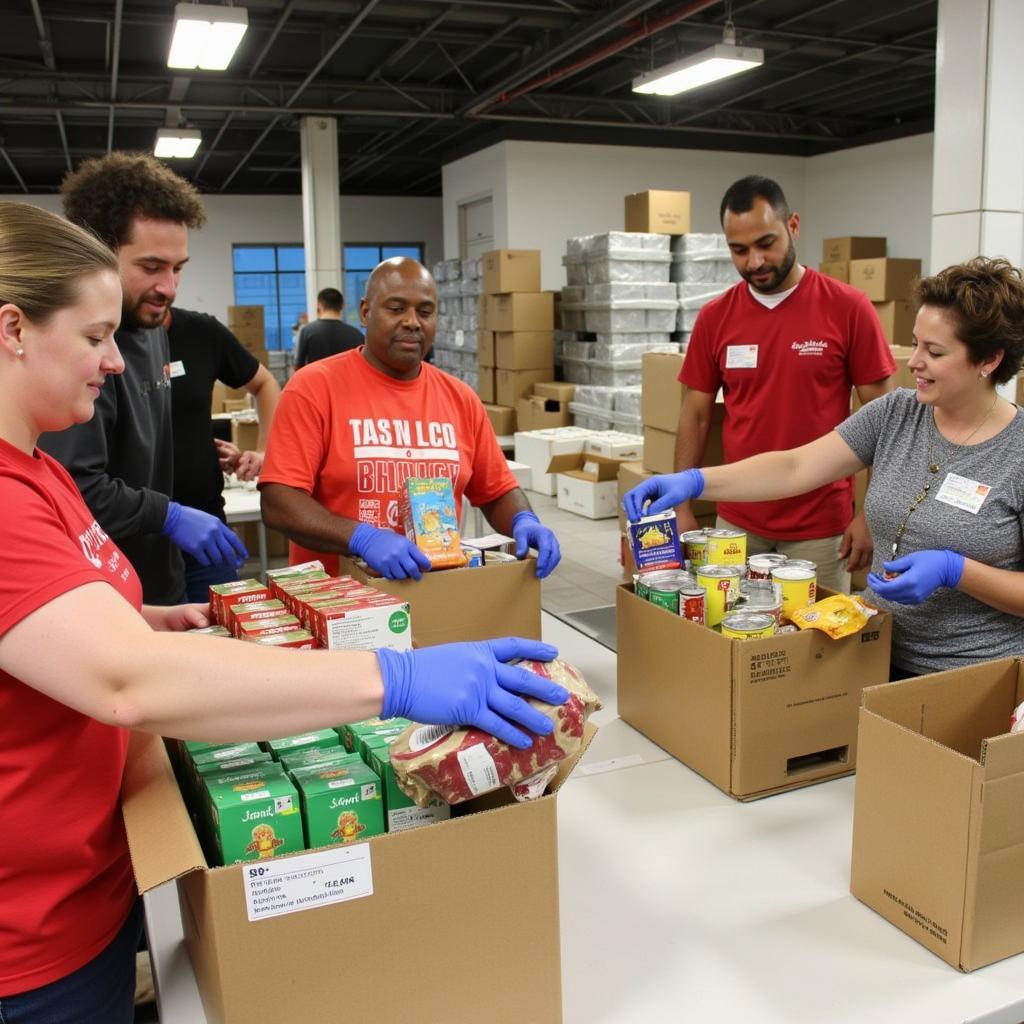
x=985, y=300
x=107, y=193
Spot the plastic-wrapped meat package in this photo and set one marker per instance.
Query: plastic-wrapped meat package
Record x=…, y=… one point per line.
x=459, y=764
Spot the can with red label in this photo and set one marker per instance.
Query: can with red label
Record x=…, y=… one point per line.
x=692, y=604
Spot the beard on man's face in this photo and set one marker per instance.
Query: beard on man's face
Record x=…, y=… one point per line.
x=136, y=315
x=778, y=273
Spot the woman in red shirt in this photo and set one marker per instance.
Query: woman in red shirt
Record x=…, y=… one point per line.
x=82, y=661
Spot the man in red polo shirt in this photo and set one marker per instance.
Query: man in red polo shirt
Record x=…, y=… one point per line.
x=785, y=346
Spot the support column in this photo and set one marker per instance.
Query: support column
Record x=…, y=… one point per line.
x=321, y=218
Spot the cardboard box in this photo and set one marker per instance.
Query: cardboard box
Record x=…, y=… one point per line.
x=485, y=348
x=1020, y=389
x=339, y=948
x=485, y=384
x=659, y=450
x=661, y=393
x=883, y=280
x=560, y=392
x=524, y=350
x=841, y=250
x=520, y=311
x=251, y=336
x=897, y=320
x=760, y=716
x=236, y=404
x=482, y=603
x=586, y=484
x=511, y=270
x=245, y=434
x=839, y=269
x=245, y=316
x=613, y=444
x=511, y=385
x=503, y=419
x=537, y=413
x=938, y=834
x=535, y=448
x=222, y=393
x=666, y=213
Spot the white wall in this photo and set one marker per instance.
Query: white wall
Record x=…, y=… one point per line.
x=545, y=192
x=207, y=283
x=884, y=189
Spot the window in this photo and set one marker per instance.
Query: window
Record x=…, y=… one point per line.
x=359, y=259
x=274, y=277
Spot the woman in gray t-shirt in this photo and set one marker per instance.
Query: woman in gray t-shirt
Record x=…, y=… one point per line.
x=946, y=500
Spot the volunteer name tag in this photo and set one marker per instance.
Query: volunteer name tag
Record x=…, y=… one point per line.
x=276, y=887
x=177, y=368
x=960, y=492
x=740, y=357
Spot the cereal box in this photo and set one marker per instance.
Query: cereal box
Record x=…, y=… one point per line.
x=427, y=507
x=301, y=741
x=352, y=733
x=341, y=803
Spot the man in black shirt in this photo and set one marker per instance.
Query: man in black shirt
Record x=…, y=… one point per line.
x=204, y=351
x=328, y=334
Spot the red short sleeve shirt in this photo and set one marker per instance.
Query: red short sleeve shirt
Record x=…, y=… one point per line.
x=786, y=375
x=66, y=882
x=350, y=436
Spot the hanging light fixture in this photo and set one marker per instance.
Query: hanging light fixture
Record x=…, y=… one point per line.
x=206, y=36
x=720, y=61
x=177, y=143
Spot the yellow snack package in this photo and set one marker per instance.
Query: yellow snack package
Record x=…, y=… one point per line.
x=839, y=615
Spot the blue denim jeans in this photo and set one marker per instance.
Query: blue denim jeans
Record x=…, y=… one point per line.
x=101, y=992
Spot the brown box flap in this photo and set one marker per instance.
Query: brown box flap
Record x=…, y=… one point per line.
x=551, y=389
x=1003, y=755
x=161, y=838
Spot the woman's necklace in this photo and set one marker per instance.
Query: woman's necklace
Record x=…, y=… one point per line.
x=951, y=455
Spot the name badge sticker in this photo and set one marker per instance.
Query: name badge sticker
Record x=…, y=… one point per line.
x=960, y=492
x=177, y=368
x=741, y=357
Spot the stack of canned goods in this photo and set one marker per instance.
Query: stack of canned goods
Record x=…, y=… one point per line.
x=722, y=589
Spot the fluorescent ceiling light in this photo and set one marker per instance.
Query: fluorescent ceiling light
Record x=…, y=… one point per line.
x=206, y=36
x=177, y=143
x=709, y=65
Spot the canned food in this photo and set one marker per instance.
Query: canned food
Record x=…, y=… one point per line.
x=726, y=547
x=692, y=603
x=801, y=563
x=721, y=585
x=799, y=587
x=762, y=596
x=748, y=626
x=759, y=567
x=662, y=588
x=639, y=587
x=695, y=547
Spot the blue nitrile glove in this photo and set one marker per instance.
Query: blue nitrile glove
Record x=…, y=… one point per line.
x=470, y=684
x=388, y=553
x=663, y=492
x=530, y=532
x=921, y=573
x=204, y=537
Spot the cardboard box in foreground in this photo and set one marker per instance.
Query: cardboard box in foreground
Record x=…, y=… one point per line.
x=754, y=717
x=449, y=884
x=938, y=833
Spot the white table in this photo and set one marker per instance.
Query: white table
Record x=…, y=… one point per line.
x=242, y=505
x=679, y=904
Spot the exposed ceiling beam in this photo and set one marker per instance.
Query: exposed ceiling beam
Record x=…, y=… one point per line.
x=115, y=61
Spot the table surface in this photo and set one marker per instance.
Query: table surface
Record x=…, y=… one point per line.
x=679, y=903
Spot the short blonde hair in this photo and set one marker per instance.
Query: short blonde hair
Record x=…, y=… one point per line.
x=42, y=259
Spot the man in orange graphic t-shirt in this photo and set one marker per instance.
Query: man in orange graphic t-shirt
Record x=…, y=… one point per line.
x=349, y=430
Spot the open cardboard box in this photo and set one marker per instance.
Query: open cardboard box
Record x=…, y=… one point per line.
x=938, y=828
x=449, y=605
x=587, y=484
x=754, y=717
x=463, y=915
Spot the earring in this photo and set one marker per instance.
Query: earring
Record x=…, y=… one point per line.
x=984, y=373
x=19, y=351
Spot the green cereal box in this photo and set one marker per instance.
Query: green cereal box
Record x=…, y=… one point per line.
x=366, y=745
x=311, y=756
x=222, y=752
x=399, y=810
x=254, y=818
x=341, y=803
x=200, y=806
x=301, y=741
x=233, y=764
x=370, y=727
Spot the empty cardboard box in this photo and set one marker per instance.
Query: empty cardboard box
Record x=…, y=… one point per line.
x=842, y=250
x=503, y=419
x=586, y=484
x=524, y=350
x=938, y=833
x=555, y=389
x=883, y=280
x=539, y=413
x=511, y=385
x=511, y=270
x=754, y=717
x=536, y=447
x=520, y=311
x=658, y=211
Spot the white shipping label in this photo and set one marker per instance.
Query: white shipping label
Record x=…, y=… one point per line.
x=960, y=492
x=277, y=887
x=177, y=368
x=741, y=357
x=478, y=769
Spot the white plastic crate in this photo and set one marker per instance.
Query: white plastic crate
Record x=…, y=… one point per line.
x=615, y=242
x=618, y=291
x=629, y=265
x=694, y=242
x=709, y=268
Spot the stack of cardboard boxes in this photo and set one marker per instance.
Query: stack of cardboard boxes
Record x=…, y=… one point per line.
x=547, y=406
x=247, y=325
x=516, y=345
x=887, y=282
